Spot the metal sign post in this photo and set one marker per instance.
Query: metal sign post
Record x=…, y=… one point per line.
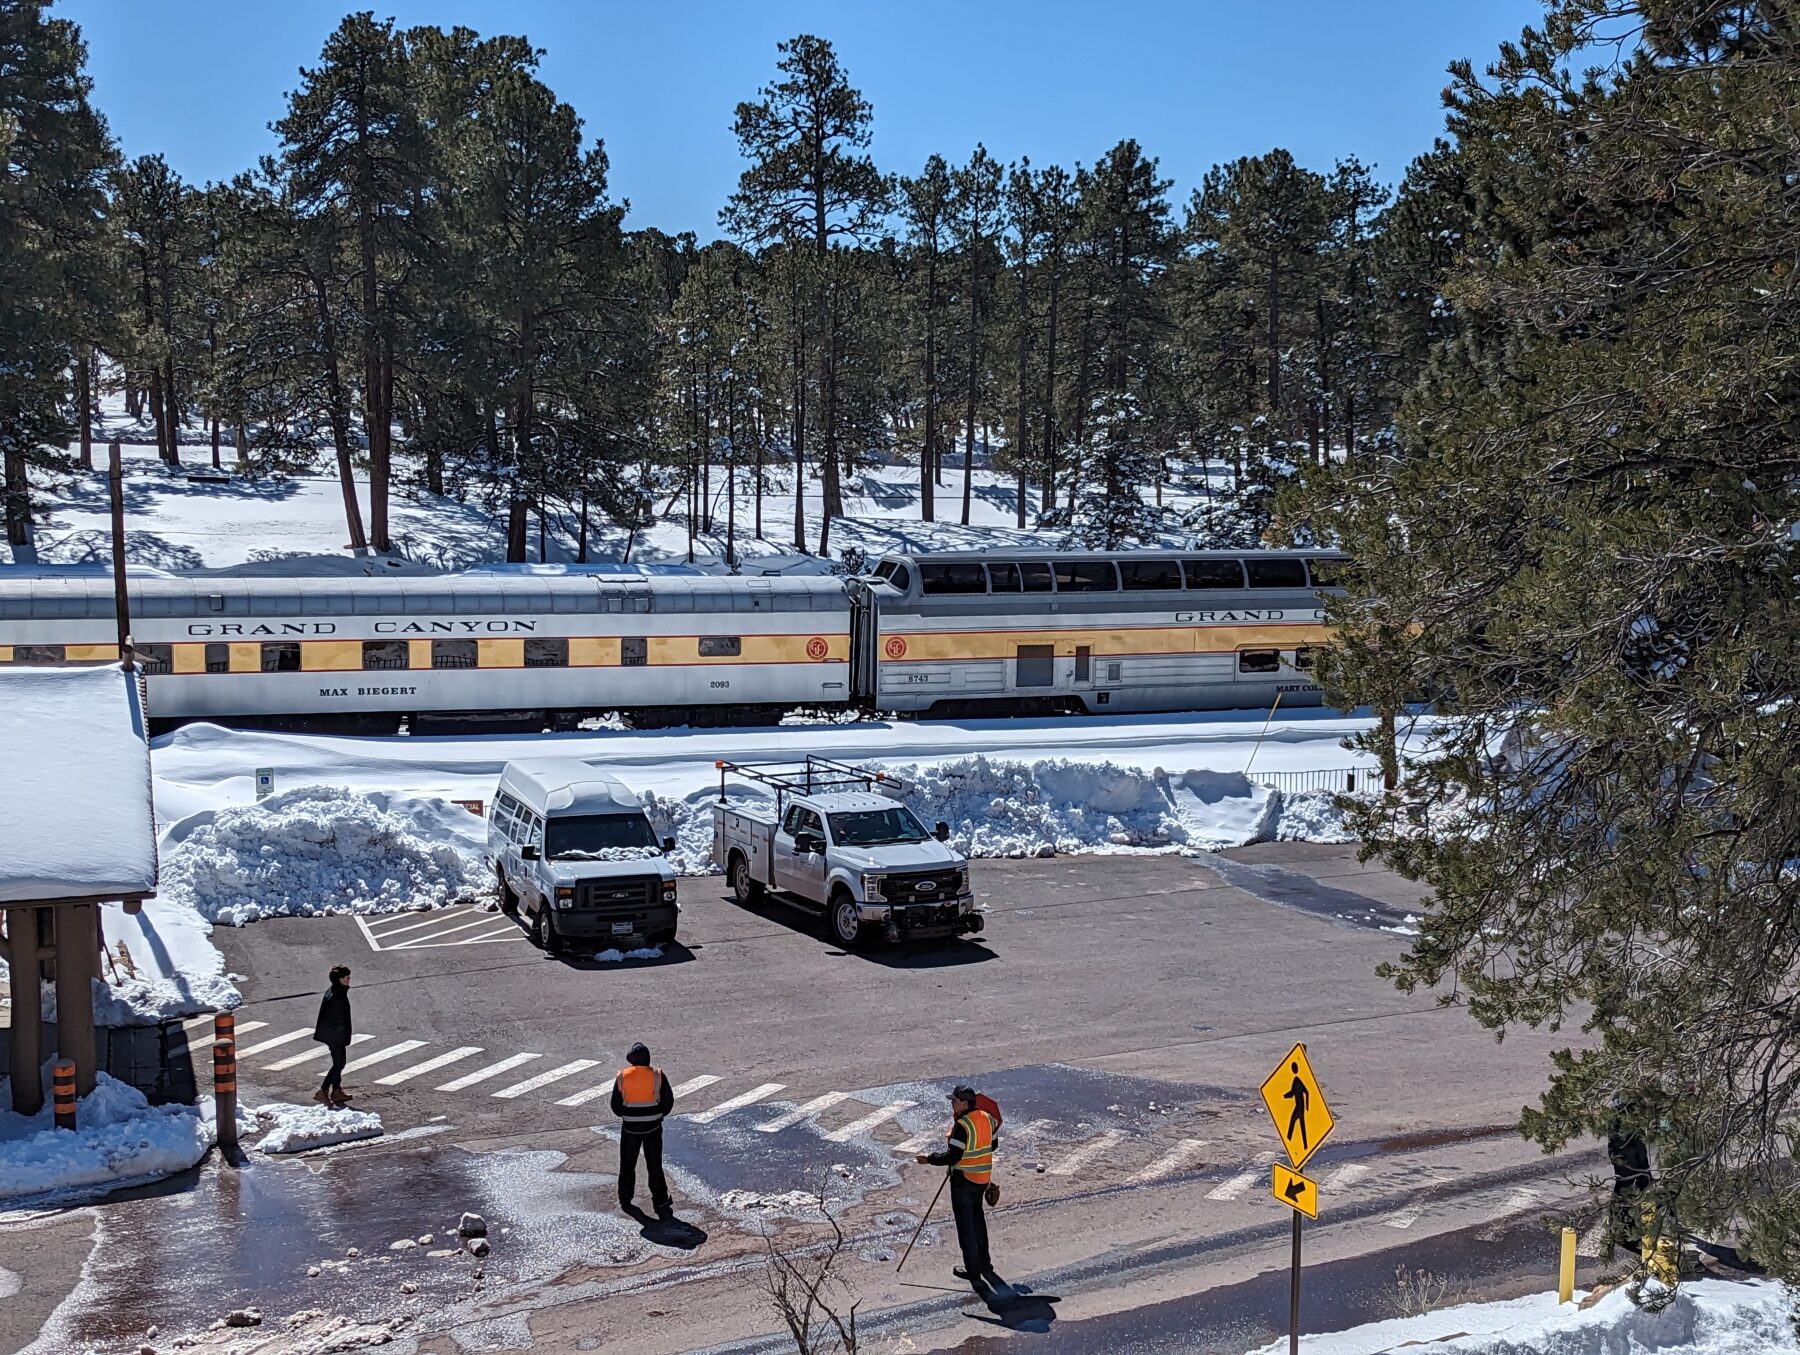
x=1296, y=1105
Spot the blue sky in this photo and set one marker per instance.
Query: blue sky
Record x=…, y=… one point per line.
x=1058, y=80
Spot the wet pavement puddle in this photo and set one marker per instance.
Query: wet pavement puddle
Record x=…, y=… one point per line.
x=1293, y=889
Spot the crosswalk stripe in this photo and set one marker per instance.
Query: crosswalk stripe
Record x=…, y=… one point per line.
x=799, y=1113
x=1517, y=1201
x=1232, y=1187
x=1593, y=1241
x=693, y=1084
x=1086, y=1153
x=748, y=1098
x=880, y=1115
x=322, y=1052
x=442, y=915
x=581, y=1098
x=1172, y=1161
x=492, y=1070
x=244, y=1028
x=1348, y=1174
x=1405, y=1218
x=303, y=1033
x=557, y=1074
x=434, y=937
x=918, y=1143
x=393, y=1051
x=429, y=1066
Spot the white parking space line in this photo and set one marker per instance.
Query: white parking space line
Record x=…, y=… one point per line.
x=506, y=933
x=1172, y=1161
x=438, y=915
x=1086, y=1153
x=799, y=1113
x=437, y=938
x=692, y=1085
x=322, y=1052
x=1347, y=1175
x=748, y=1098
x=305, y=1032
x=881, y=1115
x=544, y=1079
x=244, y=1028
x=1234, y=1186
x=492, y=1070
x=429, y=1066
x=393, y=1051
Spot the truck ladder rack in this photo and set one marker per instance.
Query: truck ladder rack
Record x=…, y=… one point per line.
x=810, y=776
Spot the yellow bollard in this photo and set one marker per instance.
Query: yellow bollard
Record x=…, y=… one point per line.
x=1565, y=1272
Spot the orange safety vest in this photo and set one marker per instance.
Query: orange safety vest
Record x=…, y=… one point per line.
x=640, y=1088
x=977, y=1160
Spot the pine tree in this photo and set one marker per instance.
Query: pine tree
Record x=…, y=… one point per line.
x=975, y=211
x=925, y=207
x=1583, y=541
x=808, y=183
x=55, y=151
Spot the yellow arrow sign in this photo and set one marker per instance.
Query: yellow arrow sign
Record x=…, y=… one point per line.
x=1297, y=1106
x=1296, y=1191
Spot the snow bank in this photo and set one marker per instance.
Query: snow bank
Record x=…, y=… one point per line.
x=121, y=1138
x=294, y=1129
x=1311, y=816
x=323, y=849
x=1707, y=1317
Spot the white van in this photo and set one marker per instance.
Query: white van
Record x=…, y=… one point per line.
x=577, y=857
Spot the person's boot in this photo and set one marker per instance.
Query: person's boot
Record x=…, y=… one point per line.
x=322, y=1096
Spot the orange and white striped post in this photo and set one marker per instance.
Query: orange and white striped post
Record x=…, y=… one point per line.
x=62, y=1092
x=225, y=1092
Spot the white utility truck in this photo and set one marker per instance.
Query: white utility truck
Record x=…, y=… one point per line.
x=834, y=844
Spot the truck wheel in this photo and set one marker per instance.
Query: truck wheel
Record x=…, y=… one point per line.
x=509, y=900
x=745, y=891
x=846, y=926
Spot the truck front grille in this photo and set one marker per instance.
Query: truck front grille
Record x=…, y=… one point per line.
x=627, y=895
x=924, y=886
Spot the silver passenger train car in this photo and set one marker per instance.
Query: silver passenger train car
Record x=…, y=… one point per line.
x=948, y=633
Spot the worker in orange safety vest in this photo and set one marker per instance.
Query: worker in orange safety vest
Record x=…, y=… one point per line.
x=642, y=1099
x=969, y=1154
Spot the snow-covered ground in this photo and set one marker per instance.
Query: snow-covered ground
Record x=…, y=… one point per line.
x=120, y=1138
x=1706, y=1317
x=288, y=1128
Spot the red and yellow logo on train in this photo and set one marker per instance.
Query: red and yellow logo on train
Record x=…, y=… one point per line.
x=895, y=647
x=816, y=648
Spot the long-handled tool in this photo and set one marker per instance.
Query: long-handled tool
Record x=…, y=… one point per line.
x=922, y=1220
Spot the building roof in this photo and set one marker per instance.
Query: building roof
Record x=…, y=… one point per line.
x=76, y=817
x=566, y=785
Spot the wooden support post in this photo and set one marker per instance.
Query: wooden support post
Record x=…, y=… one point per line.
x=76, y=944
x=25, y=1044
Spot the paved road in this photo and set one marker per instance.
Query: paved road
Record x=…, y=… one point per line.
x=1122, y=1009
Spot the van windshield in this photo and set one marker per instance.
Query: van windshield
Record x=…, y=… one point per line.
x=591, y=835
x=876, y=828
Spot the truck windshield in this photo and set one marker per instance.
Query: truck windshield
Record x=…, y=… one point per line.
x=591, y=834
x=876, y=828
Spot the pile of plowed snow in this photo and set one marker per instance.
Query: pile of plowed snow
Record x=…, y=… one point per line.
x=323, y=849
x=1003, y=808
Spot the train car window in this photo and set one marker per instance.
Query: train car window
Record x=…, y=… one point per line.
x=1329, y=573
x=218, y=658
x=1259, y=661
x=280, y=656
x=156, y=658
x=37, y=653
x=455, y=653
x=1303, y=658
x=721, y=647
x=1214, y=573
x=1036, y=576
x=1003, y=578
x=1084, y=663
x=902, y=578
x=1086, y=576
x=634, y=651
x=885, y=570
x=1150, y=573
x=549, y=652
x=1113, y=671
x=1276, y=573
x=1036, y=666
x=386, y=654
x=953, y=578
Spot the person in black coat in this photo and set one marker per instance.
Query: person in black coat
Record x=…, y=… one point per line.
x=333, y=1031
x=642, y=1099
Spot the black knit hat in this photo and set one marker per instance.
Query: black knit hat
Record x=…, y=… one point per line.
x=963, y=1093
x=639, y=1054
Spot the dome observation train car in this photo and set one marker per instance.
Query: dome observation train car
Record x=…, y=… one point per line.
x=948, y=633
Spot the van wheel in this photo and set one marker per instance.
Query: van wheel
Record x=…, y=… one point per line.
x=509, y=900
x=846, y=926
x=538, y=932
x=745, y=890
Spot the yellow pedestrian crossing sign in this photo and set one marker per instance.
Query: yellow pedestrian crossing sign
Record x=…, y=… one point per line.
x=1297, y=1106
x=1296, y=1191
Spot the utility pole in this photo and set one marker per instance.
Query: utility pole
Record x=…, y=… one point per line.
x=121, y=597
